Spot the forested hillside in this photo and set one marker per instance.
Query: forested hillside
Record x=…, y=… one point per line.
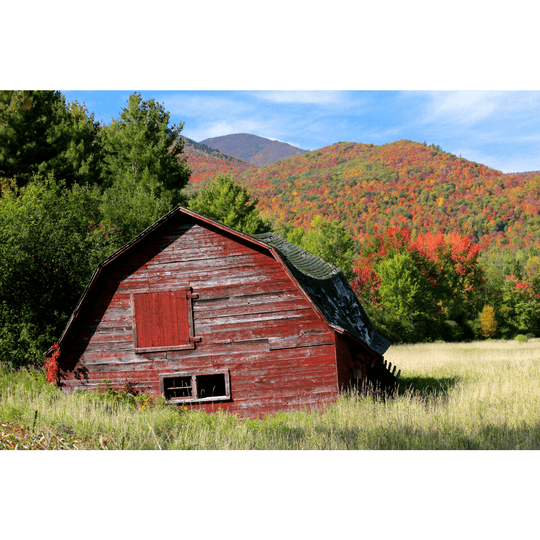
x=403, y=184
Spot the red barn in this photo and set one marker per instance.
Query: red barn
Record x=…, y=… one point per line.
x=209, y=316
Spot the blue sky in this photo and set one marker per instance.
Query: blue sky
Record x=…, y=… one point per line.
x=500, y=129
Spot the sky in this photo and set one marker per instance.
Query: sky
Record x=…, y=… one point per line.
x=500, y=129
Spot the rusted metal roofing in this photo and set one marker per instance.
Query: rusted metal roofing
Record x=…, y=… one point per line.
x=330, y=291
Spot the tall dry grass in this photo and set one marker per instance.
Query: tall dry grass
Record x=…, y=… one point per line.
x=480, y=395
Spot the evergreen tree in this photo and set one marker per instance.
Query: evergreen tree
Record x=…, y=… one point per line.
x=230, y=204
x=140, y=148
x=40, y=134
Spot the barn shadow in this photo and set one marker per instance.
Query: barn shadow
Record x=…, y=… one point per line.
x=401, y=437
x=427, y=387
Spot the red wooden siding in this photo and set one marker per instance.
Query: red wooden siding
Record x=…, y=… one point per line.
x=353, y=361
x=251, y=318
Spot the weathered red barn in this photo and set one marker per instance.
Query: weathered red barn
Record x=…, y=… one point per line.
x=209, y=316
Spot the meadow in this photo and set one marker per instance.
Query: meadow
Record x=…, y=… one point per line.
x=481, y=395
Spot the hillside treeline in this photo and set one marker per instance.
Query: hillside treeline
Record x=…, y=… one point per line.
x=428, y=286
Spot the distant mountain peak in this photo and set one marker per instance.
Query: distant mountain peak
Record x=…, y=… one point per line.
x=256, y=150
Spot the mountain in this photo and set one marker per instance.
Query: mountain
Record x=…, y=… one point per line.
x=254, y=149
x=206, y=163
x=403, y=184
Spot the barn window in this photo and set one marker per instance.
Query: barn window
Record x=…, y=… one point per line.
x=195, y=387
x=163, y=320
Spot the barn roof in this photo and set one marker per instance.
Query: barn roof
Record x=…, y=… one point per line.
x=330, y=291
x=325, y=284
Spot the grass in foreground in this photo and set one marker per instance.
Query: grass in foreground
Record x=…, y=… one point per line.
x=480, y=395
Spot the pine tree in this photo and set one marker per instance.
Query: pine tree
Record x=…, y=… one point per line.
x=40, y=134
x=140, y=148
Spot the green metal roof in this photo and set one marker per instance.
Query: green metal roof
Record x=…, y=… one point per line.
x=330, y=291
x=304, y=261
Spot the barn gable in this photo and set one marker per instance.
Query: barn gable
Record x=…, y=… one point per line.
x=207, y=315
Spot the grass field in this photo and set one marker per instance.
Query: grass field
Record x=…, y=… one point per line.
x=479, y=395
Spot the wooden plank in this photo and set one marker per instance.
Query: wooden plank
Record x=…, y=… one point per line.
x=248, y=292
x=223, y=309
x=247, y=331
x=186, y=253
x=229, y=260
x=300, y=340
x=208, y=324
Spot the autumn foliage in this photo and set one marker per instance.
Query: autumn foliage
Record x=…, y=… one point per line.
x=51, y=365
x=488, y=322
x=404, y=184
x=429, y=284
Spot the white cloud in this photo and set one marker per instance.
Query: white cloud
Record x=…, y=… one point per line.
x=473, y=106
x=218, y=129
x=202, y=105
x=313, y=97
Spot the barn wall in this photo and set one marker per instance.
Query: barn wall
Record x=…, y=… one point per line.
x=250, y=316
x=353, y=361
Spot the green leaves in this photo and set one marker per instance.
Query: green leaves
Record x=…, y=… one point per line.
x=141, y=149
x=230, y=204
x=328, y=240
x=40, y=134
x=404, y=289
x=50, y=242
x=142, y=168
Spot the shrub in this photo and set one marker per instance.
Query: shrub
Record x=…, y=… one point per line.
x=453, y=330
x=520, y=337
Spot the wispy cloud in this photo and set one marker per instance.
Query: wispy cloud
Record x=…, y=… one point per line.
x=218, y=129
x=474, y=106
x=202, y=105
x=312, y=97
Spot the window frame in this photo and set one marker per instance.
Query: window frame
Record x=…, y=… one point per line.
x=192, y=338
x=194, y=397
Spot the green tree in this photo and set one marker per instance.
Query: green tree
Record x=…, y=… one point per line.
x=39, y=134
x=328, y=240
x=404, y=290
x=50, y=244
x=131, y=208
x=140, y=148
x=520, y=308
x=231, y=204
